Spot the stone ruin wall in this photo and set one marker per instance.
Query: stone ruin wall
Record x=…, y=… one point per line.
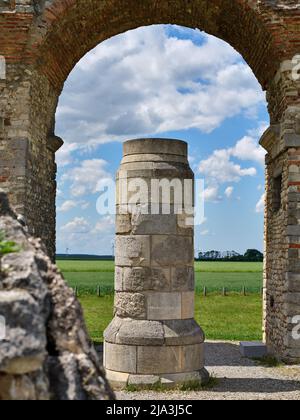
x=42, y=41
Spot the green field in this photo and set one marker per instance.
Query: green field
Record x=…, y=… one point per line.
x=68, y=266
x=87, y=276
x=234, y=317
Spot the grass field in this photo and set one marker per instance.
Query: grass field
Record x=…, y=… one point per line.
x=68, y=266
x=88, y=275
x=234, y=317
x=222, y=318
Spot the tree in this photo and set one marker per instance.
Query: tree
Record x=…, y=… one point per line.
x=253, y=255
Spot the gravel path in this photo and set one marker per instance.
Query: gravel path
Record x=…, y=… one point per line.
x=238, y=379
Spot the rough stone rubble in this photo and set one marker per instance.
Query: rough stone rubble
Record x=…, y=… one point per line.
x=46, y=353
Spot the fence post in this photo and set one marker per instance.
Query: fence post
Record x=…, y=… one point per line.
x=224, y=291
x=244, y=291
x=205, y=291
x=98, y=291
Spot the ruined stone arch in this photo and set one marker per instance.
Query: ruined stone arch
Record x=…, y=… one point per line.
x=42, y=40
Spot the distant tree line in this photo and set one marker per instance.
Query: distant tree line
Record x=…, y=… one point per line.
x=84, y=257
x=251, y=255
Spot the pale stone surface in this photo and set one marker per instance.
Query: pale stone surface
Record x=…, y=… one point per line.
x=170, y=359
x=183, y=279
x=138, y=279
x=123, y=223
x=293, y=280
x=185, y=224
x=155, y=158
x=132, y=251
x=155, y=146
x=179, y=332
x=172, y=250
x=135, y=333
x=130, y=305
x=188, y=305
x=201, y=376
x=141, y=333
x=118, y=279
x=144, y=380
x=164, y=306
x=120, y=358
x=158, y=360
x=153, y=224
x=110, y=334
x=154, y=279
x=193, y=357
x=118, y=380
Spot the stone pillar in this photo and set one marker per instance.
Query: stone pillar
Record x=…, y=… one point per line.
x=153, y=337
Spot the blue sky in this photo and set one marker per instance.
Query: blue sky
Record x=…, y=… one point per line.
x=163, y=81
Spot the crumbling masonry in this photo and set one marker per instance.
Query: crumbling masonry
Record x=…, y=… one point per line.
x=42, y=40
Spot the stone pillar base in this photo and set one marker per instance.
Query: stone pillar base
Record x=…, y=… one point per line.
x=120, y=381
x=154, y=353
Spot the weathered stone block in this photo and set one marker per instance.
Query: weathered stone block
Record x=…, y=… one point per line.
x=172, y=250
x=118, y=279
x=157, y=360
x=253, y=350
x=111, y=332
x=130, y=305
x=117, y=380
x=143, y=380
x=183, y=279
x=120, y=358
x=171, y=380
x=188, y=305
x=23, y=349
x=185, y=224
x=193, y=357
x=123, y=223
x=164, y=306
x=293, y=280
x=154, y=224
x=140, y=333
x=145, y=279
x=182, y=332
x=132, y=251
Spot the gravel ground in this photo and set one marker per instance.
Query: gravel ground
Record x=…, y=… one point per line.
x=237, y=379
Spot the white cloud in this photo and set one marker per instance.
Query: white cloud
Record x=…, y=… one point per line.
x=105, y=225
x=146, y=82
x=204, y=232
x=84, y=237
x=79, y=225
x=218, y=168
x=260, y=206
x=221, y=166
x=248, y=149
x=87, y=177
x=212, y=194
x=64, y=155
x=67, y=206
x=229, y=192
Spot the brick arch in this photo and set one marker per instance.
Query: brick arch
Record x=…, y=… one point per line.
x=42, y=40
x=72, y=28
